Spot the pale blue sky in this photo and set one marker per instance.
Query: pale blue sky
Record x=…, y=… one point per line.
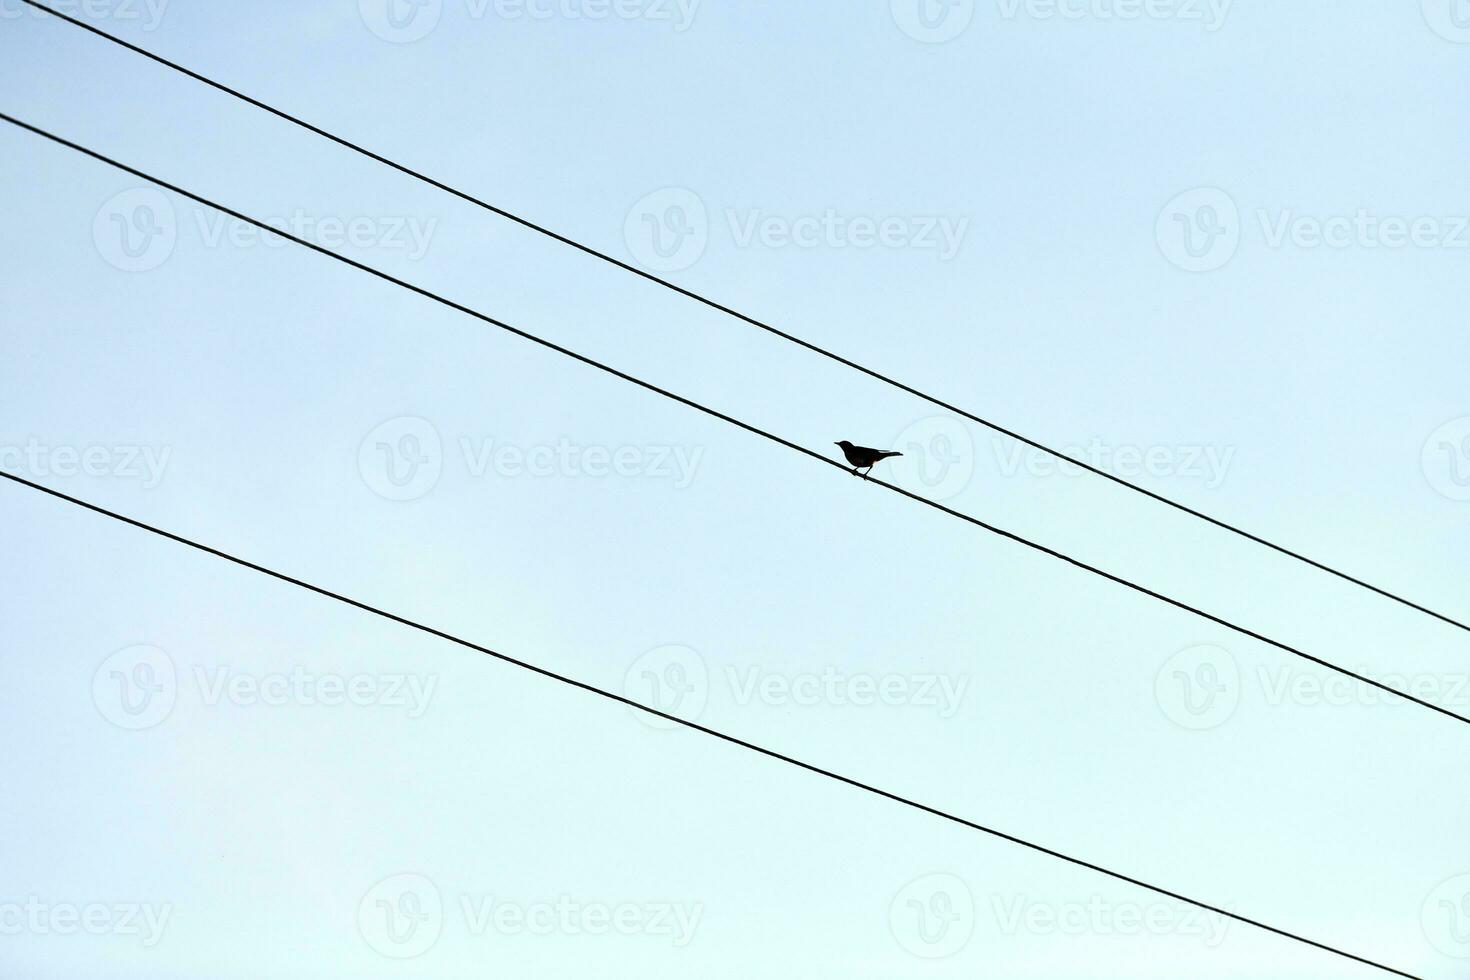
x=245, y=395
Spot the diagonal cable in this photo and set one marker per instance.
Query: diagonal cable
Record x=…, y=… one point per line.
x=733, y=740
x=752, y=321
x=732, y=420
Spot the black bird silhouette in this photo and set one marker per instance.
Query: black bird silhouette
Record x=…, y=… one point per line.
x=861, y=457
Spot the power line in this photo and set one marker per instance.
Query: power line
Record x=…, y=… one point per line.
x=715, y=413
x=621, y=699
x=746, y=318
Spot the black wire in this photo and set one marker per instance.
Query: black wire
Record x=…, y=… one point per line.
x=1010, y=535
x=621, y=699
x=752, y=321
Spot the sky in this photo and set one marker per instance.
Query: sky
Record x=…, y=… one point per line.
x=1215, y=248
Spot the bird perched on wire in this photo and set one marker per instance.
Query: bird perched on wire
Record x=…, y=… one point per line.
x=863, y=458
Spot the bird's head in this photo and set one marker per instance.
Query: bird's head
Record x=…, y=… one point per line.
x=844, y=444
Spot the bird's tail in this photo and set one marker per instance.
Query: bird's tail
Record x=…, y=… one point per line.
x=886, y=455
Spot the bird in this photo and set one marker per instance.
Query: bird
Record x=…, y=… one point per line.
x=861, y=457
